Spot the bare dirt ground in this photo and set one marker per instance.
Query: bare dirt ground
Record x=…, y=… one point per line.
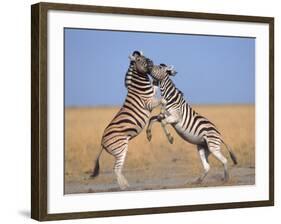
x=156, y=164
x=138, y=180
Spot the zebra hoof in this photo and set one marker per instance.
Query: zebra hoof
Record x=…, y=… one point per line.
x=123, y=184
x=148, y=136
x=198, y=181
x=171, y=139
x=225, y=179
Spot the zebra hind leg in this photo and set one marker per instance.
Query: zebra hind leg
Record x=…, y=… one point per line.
x=203, y=153
x=214, y=147
x=217, y=153
x=119, y=162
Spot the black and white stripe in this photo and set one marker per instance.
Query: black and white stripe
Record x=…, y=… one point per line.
x=191, y=126
x=133, y=115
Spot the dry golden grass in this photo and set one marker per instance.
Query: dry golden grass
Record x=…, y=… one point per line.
x=84, y=128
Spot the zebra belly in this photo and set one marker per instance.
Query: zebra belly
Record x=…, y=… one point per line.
x=188, y=136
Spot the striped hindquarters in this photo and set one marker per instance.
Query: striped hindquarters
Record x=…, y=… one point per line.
x=199, y=126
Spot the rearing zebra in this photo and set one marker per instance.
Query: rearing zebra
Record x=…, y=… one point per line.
x=133, y=115
x=191, y=126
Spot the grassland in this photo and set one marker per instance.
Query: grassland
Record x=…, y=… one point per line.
x=156, y=164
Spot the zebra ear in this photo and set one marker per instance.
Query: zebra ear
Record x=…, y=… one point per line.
x=171, y=71
x=134, y=55
x=137, y=53
x=132, y=58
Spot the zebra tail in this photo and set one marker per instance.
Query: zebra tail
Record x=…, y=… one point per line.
x=232, y=155
x=97, y=166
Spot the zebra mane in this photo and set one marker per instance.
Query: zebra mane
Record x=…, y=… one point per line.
x=180, y=92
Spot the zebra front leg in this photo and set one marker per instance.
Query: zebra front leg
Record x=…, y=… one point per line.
x=167, y=133
x=164, y=123
x=120, y=155
x=171, y=119
x=158, y=118
x=155, y=102
x=163, y=103
x=152, y=120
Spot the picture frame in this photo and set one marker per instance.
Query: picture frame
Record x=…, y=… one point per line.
x=41, y=101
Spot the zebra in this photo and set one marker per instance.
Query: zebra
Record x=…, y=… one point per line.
x=191, y=126
x=132, y=117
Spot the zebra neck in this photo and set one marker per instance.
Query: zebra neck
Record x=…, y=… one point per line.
x=170, y=93
x=138, y=83
x=132, y=73
x=167, y=86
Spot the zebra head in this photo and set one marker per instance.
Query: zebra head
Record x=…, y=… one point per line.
x=160, y=72
x=141, y=63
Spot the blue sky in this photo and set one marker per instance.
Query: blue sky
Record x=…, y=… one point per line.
x=211, y=69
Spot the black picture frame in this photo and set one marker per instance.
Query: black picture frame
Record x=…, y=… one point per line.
x=39, y=105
